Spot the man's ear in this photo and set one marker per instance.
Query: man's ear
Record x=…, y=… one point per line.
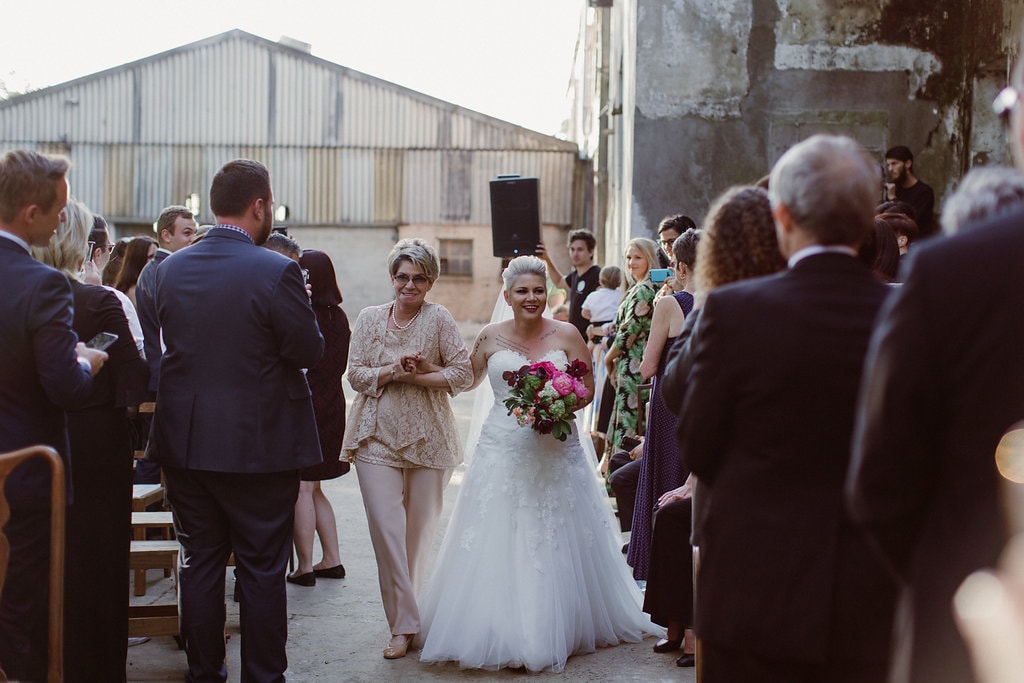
x=783, y=219
x=30, y=212
x=259, y=208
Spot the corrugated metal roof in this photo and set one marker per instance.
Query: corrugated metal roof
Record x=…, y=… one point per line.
x=343, y=147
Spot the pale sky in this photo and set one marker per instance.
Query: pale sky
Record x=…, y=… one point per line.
x=506, y=58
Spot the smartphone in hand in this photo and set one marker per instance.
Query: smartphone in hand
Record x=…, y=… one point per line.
x=101, y=341
x=659, y=275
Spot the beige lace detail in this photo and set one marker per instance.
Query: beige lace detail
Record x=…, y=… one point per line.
x=403, y=425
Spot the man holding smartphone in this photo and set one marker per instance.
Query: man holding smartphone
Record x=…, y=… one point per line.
x=43, y=371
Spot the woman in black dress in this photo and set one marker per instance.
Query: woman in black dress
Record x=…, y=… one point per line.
x=99, y=515
x=313, y=510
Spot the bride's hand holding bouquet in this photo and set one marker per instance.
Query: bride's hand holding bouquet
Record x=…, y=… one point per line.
x=545, y=397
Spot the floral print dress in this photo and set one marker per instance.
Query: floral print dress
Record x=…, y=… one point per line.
x=632, y=326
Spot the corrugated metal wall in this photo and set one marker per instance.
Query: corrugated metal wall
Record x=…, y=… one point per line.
x=343, y=148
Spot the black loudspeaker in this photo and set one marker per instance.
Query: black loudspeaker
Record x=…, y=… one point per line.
x=515, y=215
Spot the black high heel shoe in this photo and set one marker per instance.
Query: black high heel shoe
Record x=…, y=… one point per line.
x=687, y=659
x=665, y=645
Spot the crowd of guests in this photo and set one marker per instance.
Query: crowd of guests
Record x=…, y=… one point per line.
x=801, y=545
x=793, y=426
x=84, y=401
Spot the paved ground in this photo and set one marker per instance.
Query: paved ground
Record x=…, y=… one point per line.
x=337, y=628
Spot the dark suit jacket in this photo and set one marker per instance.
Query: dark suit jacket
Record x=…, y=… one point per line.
x=766, y=423
x=239, y=329
x=946, y=381
x=39, y=371
x=145, y=305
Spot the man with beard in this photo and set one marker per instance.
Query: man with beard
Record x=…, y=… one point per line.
x=234, y=421
x=905, y=186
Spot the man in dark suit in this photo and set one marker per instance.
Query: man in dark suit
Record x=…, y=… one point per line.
x=234, y=421
x=946, y=382
x=43, y=370
x=175, y=228
x=788, y=590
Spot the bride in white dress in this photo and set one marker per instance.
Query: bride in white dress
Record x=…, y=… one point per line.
x=530, y=570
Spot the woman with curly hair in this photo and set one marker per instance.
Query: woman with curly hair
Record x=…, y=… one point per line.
x=738, y=242
x=631, y=328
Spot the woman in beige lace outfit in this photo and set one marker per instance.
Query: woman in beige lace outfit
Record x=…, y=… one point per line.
x=406, y=358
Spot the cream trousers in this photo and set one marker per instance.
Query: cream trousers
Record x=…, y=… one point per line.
x=402, y=508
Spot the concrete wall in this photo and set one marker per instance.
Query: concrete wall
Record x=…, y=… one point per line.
x=723, y=87
x=359, y=261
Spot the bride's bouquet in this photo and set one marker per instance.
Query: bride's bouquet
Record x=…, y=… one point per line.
x=544, y=397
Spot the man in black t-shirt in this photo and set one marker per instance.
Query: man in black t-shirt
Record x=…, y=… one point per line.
x=906, y=187
x=582, y=280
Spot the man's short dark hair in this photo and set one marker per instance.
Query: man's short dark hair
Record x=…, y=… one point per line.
x=237, y=185
x=169, y=216
x=678, y=222
x=584, y=235
x=896, y=206
x=900, y=153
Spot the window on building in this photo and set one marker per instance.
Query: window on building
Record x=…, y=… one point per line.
x=456, y=257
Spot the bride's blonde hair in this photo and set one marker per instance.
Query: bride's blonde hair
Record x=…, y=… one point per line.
x=523, y=265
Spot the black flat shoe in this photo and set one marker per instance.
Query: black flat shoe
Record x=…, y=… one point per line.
x=337, y=572
x=687, y=660
x=308, y=579
x=665, y=645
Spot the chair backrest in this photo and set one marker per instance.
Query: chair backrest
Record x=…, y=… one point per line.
x=9, y=461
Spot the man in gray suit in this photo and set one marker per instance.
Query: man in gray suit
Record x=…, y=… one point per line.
x=234, y=421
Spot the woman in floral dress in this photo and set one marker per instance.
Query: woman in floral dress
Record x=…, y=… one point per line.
x=632, y=325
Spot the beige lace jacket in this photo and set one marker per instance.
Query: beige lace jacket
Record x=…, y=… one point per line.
x=400, y=424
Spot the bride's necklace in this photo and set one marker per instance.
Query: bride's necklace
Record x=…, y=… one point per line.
x=411, y=320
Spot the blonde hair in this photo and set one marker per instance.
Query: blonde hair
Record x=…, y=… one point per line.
x=649, y=248
x=523, y=265
x=67, y=247
x=417, y=252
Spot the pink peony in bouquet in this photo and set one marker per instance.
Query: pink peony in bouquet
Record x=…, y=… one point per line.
x=544, y=397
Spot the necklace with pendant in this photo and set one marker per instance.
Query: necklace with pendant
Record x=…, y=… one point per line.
x=411, y=320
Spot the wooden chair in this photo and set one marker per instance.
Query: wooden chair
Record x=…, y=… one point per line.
x=144, y=495
x=9, y=461
x=161, y=619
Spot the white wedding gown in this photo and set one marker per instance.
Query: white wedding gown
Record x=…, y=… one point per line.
x=531, y=569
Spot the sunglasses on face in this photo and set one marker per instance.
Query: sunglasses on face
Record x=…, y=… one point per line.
x=416, y=280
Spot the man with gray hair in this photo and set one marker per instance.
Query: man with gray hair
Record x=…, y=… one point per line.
x=984, y=192
x=789, y=590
